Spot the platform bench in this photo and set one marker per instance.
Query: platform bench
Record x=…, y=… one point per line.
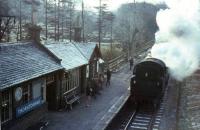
x=71, y=98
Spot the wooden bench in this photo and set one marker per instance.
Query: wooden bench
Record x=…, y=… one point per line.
x=71, y=98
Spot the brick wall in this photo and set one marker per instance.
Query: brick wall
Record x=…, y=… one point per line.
x=189, y=109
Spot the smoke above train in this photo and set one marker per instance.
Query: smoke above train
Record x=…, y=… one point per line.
x=177, y=41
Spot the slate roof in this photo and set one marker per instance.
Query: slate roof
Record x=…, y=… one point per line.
x=86, y=49
x=21, y=62
x=69, y=53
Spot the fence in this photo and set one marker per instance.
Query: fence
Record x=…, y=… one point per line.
x=115, y=64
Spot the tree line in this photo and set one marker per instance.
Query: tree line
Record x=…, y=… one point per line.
x=131, y=25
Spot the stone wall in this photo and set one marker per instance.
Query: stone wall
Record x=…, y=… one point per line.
x=189, y=109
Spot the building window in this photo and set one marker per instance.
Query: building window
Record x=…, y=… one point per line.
x=94, y=69
x=72, y=80
x=50, y=79
x=37, y=89
x=26, y=94
x=6, y=106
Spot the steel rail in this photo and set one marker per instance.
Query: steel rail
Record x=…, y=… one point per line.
x=128, y=123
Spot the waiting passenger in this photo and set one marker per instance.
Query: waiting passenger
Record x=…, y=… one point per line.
x=108, y=73
x=131, y=62
x=100, y=81
x=96, y=86
x=89, y=92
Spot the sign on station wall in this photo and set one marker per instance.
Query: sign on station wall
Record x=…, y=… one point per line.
x=21, y=110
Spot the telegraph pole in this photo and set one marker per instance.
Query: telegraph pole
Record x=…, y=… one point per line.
x=46, y=18
x=55, y=21
x=58, y=20
x=100, y=24
x=33, y=19
x=20, y=20
x=70, y=22
x=134, y=31
x=134, y=12
x=83, y=22
x=111, y=40
x=62, y=24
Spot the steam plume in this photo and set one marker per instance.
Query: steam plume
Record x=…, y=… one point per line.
x=177, y=42
x=151, y=1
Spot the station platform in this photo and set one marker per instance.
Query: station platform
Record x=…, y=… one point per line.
x=102, y=108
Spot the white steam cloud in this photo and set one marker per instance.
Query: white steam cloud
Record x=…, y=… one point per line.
x=178, y=39
x=150, y=1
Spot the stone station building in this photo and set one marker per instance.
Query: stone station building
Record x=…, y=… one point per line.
x=35, y=78
x=29, y=82
x=80, y=61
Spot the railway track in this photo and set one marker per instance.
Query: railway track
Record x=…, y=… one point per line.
x=145, y=117
x=141, y=118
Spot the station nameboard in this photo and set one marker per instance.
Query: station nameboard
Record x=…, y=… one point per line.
x=21, y=110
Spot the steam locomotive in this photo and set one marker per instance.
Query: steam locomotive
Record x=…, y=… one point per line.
x=149, y=80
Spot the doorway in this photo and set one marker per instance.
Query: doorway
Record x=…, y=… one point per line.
x=51, y=96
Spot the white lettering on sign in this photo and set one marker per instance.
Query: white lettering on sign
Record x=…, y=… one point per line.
x=28, y=106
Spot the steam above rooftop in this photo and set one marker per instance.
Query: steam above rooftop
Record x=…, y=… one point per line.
x=177, y=41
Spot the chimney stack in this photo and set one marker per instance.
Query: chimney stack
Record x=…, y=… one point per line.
x=77, y=34
x=33, y=32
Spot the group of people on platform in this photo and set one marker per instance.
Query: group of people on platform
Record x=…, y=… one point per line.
x=95, y=85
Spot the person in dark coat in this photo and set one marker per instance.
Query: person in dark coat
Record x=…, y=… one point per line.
x=108, y=73
x=89, y=92
x=95, y=86
x=131, y=62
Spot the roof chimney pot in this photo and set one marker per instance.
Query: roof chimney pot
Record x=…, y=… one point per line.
x=77, y=34
x=34, y=33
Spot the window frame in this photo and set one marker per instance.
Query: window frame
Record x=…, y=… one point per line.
x=28, y=92
x=3, y=103
x=72, y=80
